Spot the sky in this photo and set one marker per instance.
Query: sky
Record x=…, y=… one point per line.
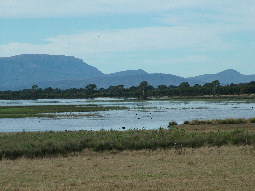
x=180, y=37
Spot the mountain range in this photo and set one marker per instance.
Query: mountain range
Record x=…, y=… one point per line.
x=59, y=71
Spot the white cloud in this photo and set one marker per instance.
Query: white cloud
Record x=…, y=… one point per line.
x=200, y=38
x=198, y=27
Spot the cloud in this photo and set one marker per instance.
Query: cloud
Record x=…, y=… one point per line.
x=235, y=13
x=200, y=38
x=197, y=31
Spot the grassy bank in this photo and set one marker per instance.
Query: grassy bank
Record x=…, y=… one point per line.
x=14, y=145
x=219, y=121
x=49, y=110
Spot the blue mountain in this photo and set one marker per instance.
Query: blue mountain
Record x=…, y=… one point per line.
x=59, y=71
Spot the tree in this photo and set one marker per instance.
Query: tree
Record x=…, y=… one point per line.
x=48, y=90
x=184, y=85
x=90, y=89
x=34, y=94
x=34, y=87
x=216, y=83
x=162, y=87
x=117, y=90
x=120, y=90
x=184, y=89
x=215, y=86
x=197, y=86
x=143, y=87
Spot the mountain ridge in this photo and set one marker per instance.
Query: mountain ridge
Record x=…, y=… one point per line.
x=225, y=77
x=59, y=71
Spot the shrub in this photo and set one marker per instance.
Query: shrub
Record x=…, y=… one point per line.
x=252, y=120
x=232, y=121
x=186, y=122
x=172, y=123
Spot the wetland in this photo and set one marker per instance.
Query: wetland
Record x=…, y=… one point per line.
x=113, y=113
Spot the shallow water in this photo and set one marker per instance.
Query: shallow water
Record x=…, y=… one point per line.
x=144, y=114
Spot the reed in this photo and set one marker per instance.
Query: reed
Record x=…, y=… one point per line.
x=220, y=121
x=45, y=144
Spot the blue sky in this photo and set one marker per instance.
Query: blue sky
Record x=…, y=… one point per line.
x=181, y=37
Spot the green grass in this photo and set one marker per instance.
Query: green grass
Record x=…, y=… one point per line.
x=38, y=144
x=49, y=110
x=172, y=123
x=220, y=121
x=252, y=120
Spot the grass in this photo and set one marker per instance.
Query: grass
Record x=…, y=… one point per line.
x=220, y=121
x=207, y=128
x=171, y=124
x=49, y=110
x=206, y=168
x=38, y=144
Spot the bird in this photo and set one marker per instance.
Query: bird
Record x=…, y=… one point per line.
x=123, y=127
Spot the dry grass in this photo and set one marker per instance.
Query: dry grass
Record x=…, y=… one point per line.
x=207, y=168
x=250, y=127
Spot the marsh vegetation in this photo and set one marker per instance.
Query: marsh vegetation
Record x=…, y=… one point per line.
x=219, y=121
x=43, y=144
x=52, y=110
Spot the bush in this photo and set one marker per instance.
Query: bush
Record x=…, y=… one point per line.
x=232, y=121
x=186, y=122
x=220, y=121
x=252, y=120
x=172, y=123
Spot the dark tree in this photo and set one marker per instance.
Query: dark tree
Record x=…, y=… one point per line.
x=90, y=90
x=143, y=87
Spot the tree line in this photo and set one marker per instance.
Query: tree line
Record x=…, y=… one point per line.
x=142, y=91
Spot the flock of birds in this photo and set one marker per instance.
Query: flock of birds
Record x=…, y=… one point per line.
x=138, y=118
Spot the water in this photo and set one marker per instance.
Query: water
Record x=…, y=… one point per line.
x=141, y=115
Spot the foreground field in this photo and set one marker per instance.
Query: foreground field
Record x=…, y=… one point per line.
x=206, y=168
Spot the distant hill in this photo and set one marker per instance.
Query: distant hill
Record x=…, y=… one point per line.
x=58, y=71
x=112, y=80
x=128, y=73
x=17, y=71
x=225, y=77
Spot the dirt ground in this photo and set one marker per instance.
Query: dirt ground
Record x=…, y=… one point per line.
x=207, y=168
